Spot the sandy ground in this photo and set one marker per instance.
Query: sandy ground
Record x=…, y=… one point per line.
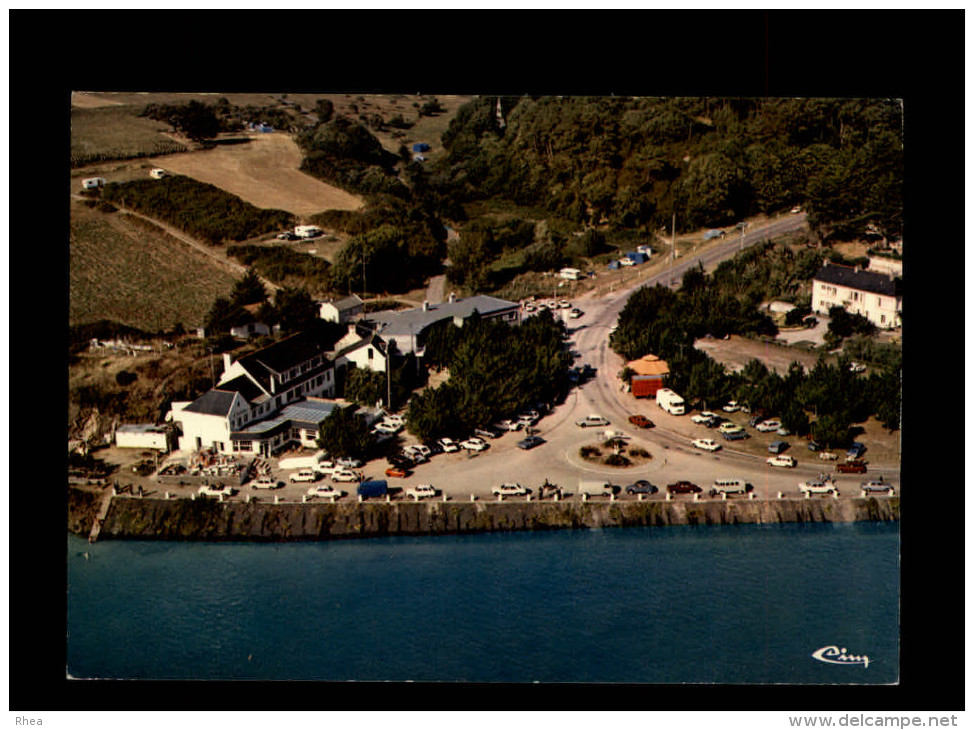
x=265, y=173
x=87, y=100
x=736, y=352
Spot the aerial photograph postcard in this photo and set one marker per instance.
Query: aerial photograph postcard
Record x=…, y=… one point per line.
x=430, y=387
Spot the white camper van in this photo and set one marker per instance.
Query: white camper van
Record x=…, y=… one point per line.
x=93, y=183
x=570, y=274
x=670, y=402
x=307, y=231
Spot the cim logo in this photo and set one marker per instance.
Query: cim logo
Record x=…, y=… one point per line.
x=835, y=655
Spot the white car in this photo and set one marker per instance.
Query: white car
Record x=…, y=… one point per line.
x=304, y=475
x=265, y=483
x=345, y=475
x=729, y=427
x=509, y=490
x=576, y=313
x=626, y=262
x=782, y=460
x=424, y=451
x=325, y=490
x=706, y=444
x=413, y=455
x=828, y=456
x=473, y=444
x=349, y=463
x=564, y=304
x=731, y=407
x=767, y=426
x=702, y=417
x=593, y=420
x=386, y=427
x=878, y=485
x=509, y=425
x=395, y=420
x=818, y=486
x=214, y=491
x=448, y=445
x=420, y=491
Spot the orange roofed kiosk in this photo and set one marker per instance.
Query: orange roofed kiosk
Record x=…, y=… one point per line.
x=648, y=372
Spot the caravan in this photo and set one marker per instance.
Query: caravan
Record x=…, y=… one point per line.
x=570, y=274
x=670, y=402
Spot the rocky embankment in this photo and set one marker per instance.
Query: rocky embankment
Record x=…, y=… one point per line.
x=201, y=519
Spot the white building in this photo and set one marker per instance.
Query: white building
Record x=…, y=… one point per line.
x=341, y=311
x=143, y=436
x=250, y=411
x=876, y=296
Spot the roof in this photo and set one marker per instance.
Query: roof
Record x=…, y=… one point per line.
x=347, y=303
x=212, y=403
x=414, y=321
x=245, y=386
x=140, y=428
x=649, y=365
x=281, y=357
x=308, y=413
x=856, y=278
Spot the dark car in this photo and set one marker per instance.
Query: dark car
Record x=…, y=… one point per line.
x=640, y=421
x=851, y=467
x=714, y=422
x=756, y=418
x=641, y=487
x=530, y=442
x=776, y=447
x=736, y=435
x=856, y=450
x=434, y=448
x=683, y=488
x=814, y=445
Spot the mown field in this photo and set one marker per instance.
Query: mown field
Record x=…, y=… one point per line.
x=117, y=133
x=127, y=270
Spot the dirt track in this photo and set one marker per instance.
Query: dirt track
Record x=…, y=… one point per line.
x=265, y=173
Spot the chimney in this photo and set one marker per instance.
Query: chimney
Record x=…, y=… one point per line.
x=453, y=297
x=426, y=306
x=227, y=361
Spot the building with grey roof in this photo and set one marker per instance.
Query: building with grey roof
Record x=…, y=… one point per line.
x=877, y=296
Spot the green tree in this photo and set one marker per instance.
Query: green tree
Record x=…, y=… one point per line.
x=224, y=315
x=249, y=289
x=197, y=121
x=295, y=308
x=344, y=434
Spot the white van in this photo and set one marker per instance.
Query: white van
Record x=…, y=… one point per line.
x=670, y=402
x=728, y=486
x=570, y=274
x=93, y=183
x=595, y=488
x=307, y=231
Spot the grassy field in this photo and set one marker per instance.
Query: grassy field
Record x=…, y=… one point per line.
x=131, y=272
x=116, y=133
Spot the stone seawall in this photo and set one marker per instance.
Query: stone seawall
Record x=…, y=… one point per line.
x=201, y=519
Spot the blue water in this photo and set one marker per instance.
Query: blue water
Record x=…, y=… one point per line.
x=730, y=604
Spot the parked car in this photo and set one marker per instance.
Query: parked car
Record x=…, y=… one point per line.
x=878, y=485
x=397, y=471
x=855, y=451
x=782, y=460
x=345, y=475
x=420, y=491
x=395, y=420
x=349, y=463
x=387, y=428
x=211, y=490
x=509, y=490
x=530, y=442
x=702, y=417
x=776, y=447
x=304, y=475
x=736, y=435
x=828, y=456
x=814, y=445
x=706, y=444
x=640, y=421
x=768, y=426
x=818, y=486
x=448, y=445
x=729, y=486
x=287, y=236
x=729, y=427
x=508, y=425
x=422, y=449
x=851, y=467
x=641, y=487
x=484, y=433
x=783, y=431
x=593, y=420
x=716, y=422
x=683, y=487
x=473, y=444
x=266, y=483
x=731, y=407
x=325, y=490
x=575, y=313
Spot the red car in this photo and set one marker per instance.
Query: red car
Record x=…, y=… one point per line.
x=682, y=488
x=397, y=472
x=851, y=467
x=640, y=421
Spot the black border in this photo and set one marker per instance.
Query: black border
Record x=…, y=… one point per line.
x=911, y=55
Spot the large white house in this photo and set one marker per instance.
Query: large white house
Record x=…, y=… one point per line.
x=876, y=296
x=263, y=401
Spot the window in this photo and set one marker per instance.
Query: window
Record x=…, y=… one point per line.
x=370, y=353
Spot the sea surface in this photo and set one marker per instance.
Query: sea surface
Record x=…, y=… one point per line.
x=701, y=604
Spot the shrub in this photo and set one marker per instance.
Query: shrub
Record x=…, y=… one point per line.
x=590, y=452
x=617, y=460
